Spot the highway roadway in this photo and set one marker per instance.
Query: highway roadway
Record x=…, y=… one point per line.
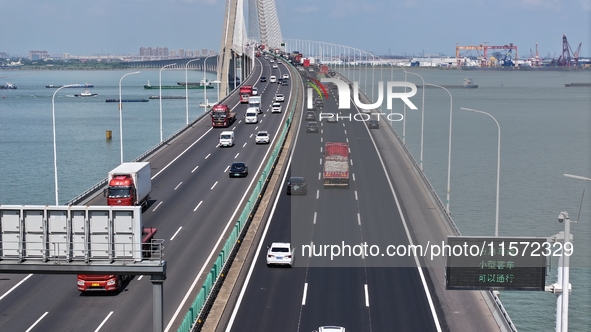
x=359, y=293
x=193, y=203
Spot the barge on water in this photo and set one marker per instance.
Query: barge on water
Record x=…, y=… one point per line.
x=575, y=85
x=127, y=100
x=168, y=97
x=188, y=86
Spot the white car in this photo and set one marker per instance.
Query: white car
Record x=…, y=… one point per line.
x=285, y=76
x=262, y=137
x=279, y=97
x=255, y=91
x=276, y=108
x=251, y=115
x=275, y=66
x=272, y=60
x=331, y=329
x=273, y=79
x=280, y=253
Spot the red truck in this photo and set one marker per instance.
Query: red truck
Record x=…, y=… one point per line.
x=221, y=116
x=336, y=164
x=306, y=63
x=257, y=54
x=114, y=282
x=324, y=69
x=129, y=184
x=298, y=58
x=245, y=93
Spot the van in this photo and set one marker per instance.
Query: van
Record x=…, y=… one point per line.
x=227, y=138
x=251, y=115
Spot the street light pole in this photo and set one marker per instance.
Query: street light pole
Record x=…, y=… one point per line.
x=160, y=96
x=54, y=142
x=121, y=114
x=187, y=87
x=498, y=165
x=449, y=144
x=422, y=118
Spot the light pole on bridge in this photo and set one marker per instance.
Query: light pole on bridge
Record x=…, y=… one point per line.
x=187, y=87
x=160, y=96
x=498, y=164
x=121, y=114
x=54, y=142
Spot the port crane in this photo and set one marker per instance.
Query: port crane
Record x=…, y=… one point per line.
x=568, y=54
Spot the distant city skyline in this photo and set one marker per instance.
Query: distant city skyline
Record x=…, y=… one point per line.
x=378, y=26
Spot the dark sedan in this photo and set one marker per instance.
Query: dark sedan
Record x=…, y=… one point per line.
x=373, y=124
x=238, y=169
x=312, y=127
x=297, y=185
x=263, y=79
x=310, y=116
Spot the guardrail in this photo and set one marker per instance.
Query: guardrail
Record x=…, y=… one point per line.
x=197, y=312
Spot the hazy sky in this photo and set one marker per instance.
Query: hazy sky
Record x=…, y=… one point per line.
x=83, y=27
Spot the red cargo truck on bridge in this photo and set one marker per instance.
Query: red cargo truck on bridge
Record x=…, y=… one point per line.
x=245, y=93
x=114, y=282
x=336, y=164
x=221, y=116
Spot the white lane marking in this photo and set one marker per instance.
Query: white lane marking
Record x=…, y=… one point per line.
x=175, y=233
x=226, y=169
x=319, y=175
x=366, y=296
x=104, y=321
x=140, y=277
x=356, y=198
x=182, y=153
x=317, y=193
x=358, y=219
x=15, y=286
x=320, y=149
x=194, y=169
x=157, y=206
x=257, y=127
x=214, y=185
x=178, y=185
x=353, y=176
x=261, y=121
x=347, y=139
x=207, y=156
x=345, y=132
x=349, y=150
x=351, y=160
x=320, y=161
x=217, y=146
x=321, y=139
x=238, y=122
x=234, y=128
x=305, y=294
x=250, y=136
x=236, y=156
x=198, y=205
x=315, y=214
x=343, y=124
x=37, y=321
x=322, y=131
x=244, y=144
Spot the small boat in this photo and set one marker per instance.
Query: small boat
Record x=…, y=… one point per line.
x=8, y=86
x=469, y=84
x=86, y=93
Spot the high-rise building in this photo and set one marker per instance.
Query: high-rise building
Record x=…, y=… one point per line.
x=204, y=52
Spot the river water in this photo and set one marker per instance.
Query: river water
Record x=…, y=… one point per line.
x=545, y=132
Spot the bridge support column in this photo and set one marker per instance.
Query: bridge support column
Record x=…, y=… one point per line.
x=158, y=302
